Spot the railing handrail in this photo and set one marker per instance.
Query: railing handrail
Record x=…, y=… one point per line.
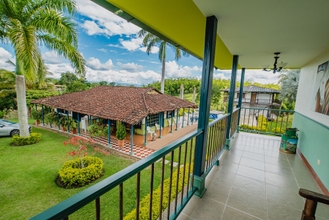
x=72, y=204
x=272, y=109
x=218, y=119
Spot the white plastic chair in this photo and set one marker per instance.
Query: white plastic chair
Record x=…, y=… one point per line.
x=150, y=131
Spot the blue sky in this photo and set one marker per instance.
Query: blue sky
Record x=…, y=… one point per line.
x=115, y=54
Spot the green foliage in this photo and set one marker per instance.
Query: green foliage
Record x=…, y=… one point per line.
x=77, y=86
x=172, y=86
x=278, y=130
x=36, y=114
x=67, y=122
x=38, y=94
x=21, y=141
x=289, y=85
x=71, y=175
x=51, y=118
x=144, y=203
x=97, y=130
x=121, y=132
x=67, y=78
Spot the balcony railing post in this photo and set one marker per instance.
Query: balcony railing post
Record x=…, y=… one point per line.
x=207, y=76
x=231, y=99
x=241, y=94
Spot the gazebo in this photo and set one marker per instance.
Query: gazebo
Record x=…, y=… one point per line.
x=139, y=109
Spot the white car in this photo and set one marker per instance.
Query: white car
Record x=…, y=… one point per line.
x=8, y=128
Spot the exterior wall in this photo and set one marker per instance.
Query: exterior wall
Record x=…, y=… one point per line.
x=313, y=126
x=263, y=98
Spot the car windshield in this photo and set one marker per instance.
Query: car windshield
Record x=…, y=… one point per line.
x=5, y=122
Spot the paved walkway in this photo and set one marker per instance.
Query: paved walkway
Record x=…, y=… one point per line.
x=138, y=151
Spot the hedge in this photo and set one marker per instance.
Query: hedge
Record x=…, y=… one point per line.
x=144, y=203
x=72, y=176
x=21, y=141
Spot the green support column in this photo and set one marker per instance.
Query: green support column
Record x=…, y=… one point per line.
x=183, y=118
x=109, y=133
x=240, y=95
x=177, y=114
x=79, y=121
x=206, y=86
x=131, y=139
x=145, y=136
x=231, y=99
x=172, y=120
x=58, y=121
x=161, y=123
x=43, y=115
x=188, y=116
x=67, y=117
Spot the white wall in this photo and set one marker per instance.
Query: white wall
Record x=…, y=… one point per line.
x=306, y=90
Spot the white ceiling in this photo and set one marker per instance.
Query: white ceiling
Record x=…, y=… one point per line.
x=255, y=29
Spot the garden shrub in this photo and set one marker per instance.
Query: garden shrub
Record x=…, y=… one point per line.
x=144, y=203
x=72, y=175
x=21, y=141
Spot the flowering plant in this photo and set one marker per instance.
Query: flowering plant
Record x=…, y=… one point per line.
x=80, y=146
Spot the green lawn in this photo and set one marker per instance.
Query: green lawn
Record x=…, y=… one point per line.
x=28, y=175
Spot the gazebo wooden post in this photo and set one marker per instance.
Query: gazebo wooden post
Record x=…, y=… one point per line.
x=43, y=115
x=109, y=133
x=145, y=135
x=183, y=118
x=188, y=116
x=172, y=119
x=177, y=113
x=131, y=139
x=79, y=119
x=58, y=120
x=68, y=126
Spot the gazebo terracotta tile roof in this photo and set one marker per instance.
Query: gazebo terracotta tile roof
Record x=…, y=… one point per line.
x=126, y=104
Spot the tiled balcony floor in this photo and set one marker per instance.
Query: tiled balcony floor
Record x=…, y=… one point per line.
x=255, y=181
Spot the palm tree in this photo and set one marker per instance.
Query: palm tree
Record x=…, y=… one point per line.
x=25, y=24
x=289, y=85
x=150, y=41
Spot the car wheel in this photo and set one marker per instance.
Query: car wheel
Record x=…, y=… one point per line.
x=13, y=132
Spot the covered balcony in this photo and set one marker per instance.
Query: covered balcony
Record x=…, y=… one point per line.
x=215, y=172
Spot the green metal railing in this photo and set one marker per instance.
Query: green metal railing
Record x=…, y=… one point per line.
x=216, y=141
x=167, y=175
x=265, y=120
x=234, y=121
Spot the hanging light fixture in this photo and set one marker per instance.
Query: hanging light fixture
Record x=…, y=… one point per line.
x=277, y=67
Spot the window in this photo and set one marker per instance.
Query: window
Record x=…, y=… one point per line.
x=153, y=119
x=170, y=114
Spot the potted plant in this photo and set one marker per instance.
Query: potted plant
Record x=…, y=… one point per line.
x=63, y=122
x=51, y=118
x=121, y=134
x=72, y=124
x=37, y=115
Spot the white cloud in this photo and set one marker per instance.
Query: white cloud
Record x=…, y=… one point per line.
x=95, y=64
x=58, y=69
x=132, y=44
x=103, y=22
x=4, y=57
x=52, y=57
x=130, y=67
x=173, y=70
x=122, y=76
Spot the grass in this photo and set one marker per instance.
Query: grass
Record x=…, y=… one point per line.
x=28, y=180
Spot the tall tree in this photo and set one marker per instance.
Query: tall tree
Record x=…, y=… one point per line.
x=150, y=41
x=289, y=85
x=27, y=23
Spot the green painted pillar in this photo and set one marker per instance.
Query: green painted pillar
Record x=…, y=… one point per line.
x=204, y=107
x=177, y=114
x=58, y=117
x=145, y=135
x=172, y=119
x=67, y=117
x=109, y=133
x=188, y=116
x=43, y=115
x=131, y=139
x=231, y=99
x=183, y=118
x=79, y=121
x=241, y=94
